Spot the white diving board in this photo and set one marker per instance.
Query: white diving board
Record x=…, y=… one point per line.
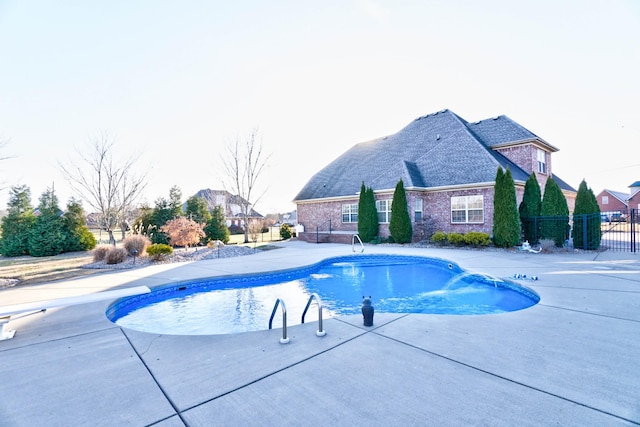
x=7, y=311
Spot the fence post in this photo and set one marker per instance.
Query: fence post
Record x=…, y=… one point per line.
x=632, y=220
x=585, y=234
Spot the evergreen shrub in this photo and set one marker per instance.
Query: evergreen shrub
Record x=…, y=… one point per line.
x=439, y=237
x=285, y=231
x=158, y=251
x=456, y=239
x=400, y=222
x=477, y=238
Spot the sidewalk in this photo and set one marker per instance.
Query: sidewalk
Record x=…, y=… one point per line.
x=572, y=359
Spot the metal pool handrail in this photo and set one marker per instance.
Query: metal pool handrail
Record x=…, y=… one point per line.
x=353, y=243
x=284, y=339
x=321, y=332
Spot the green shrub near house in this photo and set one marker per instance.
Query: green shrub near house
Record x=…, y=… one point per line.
x=456, y=239
x=586, y=232
x=477, y=238
x=400, y=222
x=506, y=219
x=367, y=215
x=439, y=237
x=554, y=206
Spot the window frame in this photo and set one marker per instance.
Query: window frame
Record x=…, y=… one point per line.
x=418, y=205
x=350, y=208
x=465, y=209
x=542, y=161
x=385, y=213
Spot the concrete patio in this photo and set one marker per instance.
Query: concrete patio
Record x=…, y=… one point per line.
x=572, y=359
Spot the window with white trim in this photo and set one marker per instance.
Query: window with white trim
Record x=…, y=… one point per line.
x=605, y=200
x=384, y=210
x=417, y=210
x=467, y=209
x=542, y=161
x=350, y=213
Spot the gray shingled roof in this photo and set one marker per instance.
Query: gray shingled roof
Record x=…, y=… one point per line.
x=439, y=149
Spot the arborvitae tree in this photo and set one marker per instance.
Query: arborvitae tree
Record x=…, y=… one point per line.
x=216, y=228
x=78, y=235
x=48, y=235
x=197, y=209
x=530, y=209
x=18, y=223
x=506, y=220
x=175, y=202
x=367, y=214
x=554, y=209
x=400, y=222
x=586, y=217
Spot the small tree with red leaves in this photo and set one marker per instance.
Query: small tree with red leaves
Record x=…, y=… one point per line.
x=183, y=231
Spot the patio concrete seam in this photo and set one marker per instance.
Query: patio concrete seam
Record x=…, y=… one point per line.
x=588, y=313
x=530, y=387
x=277, y=371
x=95, y=331
x=162, y=390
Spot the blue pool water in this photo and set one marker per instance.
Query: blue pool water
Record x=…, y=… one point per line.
x=396, y=284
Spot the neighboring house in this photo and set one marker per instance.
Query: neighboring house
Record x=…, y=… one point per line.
x=448, y=167
x=613, y=201
x=618, y=201
x=231, y=204
x=634, y=197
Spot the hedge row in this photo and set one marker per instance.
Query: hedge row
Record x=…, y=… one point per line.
x=472, y=238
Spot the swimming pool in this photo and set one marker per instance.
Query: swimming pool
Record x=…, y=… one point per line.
x=396, y=284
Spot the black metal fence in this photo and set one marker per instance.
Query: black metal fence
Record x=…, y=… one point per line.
x=615, y=231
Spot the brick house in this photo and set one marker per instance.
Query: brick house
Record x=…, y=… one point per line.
x=634, y=196
x=619, y=202
x=448, y=167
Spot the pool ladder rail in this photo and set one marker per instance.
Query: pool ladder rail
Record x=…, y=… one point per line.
x=280, y=302
x=353, y=243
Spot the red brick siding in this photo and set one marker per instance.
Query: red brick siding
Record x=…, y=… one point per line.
x=614, y=203
x=526, y=156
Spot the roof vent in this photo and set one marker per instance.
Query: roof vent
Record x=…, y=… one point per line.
x=496, y=118
x=437, y=136
x=478, y=122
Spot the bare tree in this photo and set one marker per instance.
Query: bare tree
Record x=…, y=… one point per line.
x=109, y=187
x=242, y=164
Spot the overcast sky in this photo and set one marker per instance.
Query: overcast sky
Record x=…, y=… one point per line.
x=176, y=81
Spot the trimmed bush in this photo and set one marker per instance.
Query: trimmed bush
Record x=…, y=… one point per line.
x=100, y=252
x=455, y=239
x=285, y=231
x=367, y=214
x=400, y=222
x=158, y=251
x=477, y=238
x=439, y=237
x=137, y=242
x=115, y=255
